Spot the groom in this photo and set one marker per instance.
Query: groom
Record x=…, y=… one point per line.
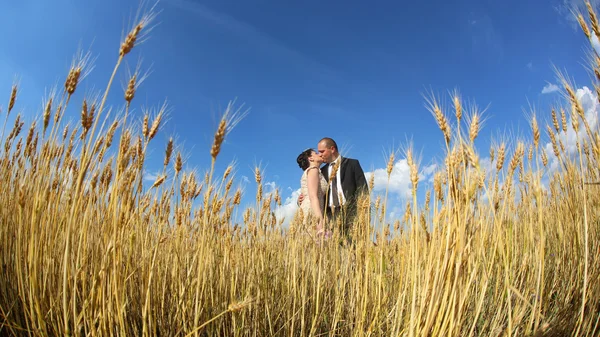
x=349, y=182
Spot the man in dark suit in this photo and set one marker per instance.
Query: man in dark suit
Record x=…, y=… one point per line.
x=349, y=182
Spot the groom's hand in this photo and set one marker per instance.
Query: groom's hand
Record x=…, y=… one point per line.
x=300, y=198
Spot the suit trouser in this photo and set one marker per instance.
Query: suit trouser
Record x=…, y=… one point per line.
x=342, y=218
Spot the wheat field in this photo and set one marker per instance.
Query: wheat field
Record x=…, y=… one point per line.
x=89, y=250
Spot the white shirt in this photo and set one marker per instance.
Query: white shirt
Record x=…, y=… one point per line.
x=339, y=183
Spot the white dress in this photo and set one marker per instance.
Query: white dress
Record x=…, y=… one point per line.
x=305, y=205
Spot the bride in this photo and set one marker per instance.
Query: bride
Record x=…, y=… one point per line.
x=314, y=186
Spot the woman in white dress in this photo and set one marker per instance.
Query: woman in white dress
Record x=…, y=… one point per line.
x=313, y=186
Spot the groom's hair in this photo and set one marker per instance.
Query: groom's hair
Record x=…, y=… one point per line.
x=302, y=159
x=329, y=143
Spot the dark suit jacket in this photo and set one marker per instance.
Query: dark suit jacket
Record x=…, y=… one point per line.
x=352, y=180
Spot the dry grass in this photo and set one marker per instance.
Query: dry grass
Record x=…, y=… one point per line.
x=87, y=250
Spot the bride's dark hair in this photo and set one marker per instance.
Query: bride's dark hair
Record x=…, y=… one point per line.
x=302, y=159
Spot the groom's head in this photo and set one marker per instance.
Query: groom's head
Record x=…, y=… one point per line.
x=328, y=149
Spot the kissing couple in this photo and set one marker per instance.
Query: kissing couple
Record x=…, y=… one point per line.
x=330, y=191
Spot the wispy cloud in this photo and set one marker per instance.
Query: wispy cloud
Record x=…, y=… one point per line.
x=260, y=40
x=549, y=88
x=566, y=8
x=484, y=36
x=149, y=176
x=328, y=84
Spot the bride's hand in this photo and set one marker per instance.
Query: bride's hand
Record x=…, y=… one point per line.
x=300, y=198
x=321, y=227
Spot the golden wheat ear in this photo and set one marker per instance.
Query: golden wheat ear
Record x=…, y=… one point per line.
x=13, y=98
x=434, y=107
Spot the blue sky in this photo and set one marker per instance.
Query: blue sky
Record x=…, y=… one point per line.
x=353, y=71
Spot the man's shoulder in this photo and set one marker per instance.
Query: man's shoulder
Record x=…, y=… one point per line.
x=350, y=160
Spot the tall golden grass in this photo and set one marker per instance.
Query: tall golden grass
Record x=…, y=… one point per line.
x=86, y=249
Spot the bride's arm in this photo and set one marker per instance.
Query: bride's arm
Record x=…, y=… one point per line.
x=313, y=186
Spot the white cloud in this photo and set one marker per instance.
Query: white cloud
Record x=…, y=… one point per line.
x=486, y=165
x=400, y=188
x=549, y=88
x=396, y=212
x=399, y=179
x=270, y=186
x=288, y=208
x=595, y=43
x=148, y=176
x=269, y=189
x=399, y=184
x=591, y=107
x=530, y=65
x=428, y=171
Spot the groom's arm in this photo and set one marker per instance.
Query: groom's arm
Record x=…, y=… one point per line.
x=359, y=177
